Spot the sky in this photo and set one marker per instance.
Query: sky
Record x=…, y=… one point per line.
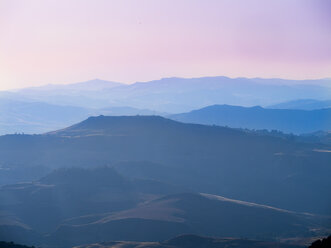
x=66, y=41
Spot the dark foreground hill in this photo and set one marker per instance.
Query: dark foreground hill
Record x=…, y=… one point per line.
x=280, y=172
x=66, y=193
x=193, y=241
x=202, y=214
x=285, y=120
x=79, y=206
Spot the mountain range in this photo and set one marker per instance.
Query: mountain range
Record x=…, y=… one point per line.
x=50, y=107
x=135, y=176
x=39, y=117
x=175, y=95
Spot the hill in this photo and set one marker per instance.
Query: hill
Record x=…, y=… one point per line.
x=285, y=120
x=71, y=192
x=30, y=210
x=217, y=160
x=76, y=206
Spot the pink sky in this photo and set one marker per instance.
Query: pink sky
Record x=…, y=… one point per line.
x=54, y=41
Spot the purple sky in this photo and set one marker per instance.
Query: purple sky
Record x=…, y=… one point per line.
x=54, y=41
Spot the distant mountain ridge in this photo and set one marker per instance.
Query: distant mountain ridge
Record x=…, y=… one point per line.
x=304, y=104
x=285, y=120
x=175, y=95
x=91, y=85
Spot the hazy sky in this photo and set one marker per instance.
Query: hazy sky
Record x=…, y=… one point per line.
x=66, y=41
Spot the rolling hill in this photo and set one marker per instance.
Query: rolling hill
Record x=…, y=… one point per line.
x=217, y=160
x=202, y=214
x=30, y=210
x=75, y=206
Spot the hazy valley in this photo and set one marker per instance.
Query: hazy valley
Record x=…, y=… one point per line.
x=140, y=174
x=165, y=124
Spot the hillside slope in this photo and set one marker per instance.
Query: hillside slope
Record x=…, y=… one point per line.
x=269, y=170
